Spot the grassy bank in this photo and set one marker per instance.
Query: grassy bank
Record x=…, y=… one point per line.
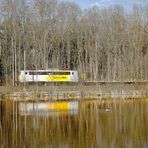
x=77, y=87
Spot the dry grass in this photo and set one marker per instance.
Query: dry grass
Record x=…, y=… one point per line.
x=76, y=87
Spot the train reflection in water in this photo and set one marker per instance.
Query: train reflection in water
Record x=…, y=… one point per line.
x=48, y=108
x=90, y=124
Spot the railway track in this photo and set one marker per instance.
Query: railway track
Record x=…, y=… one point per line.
x=114, y=82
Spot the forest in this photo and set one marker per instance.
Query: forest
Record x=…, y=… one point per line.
x=108, y=44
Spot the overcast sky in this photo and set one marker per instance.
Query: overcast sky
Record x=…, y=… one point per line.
x=128, y=4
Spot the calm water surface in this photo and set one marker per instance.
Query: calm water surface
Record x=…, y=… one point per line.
x=84, y=124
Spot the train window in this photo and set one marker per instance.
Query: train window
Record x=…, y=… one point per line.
x=60, y=73
x=31, y=73
x=44, y=73
x=65, y=73
x=49, y=73
x=72, y=73
x=38, y=73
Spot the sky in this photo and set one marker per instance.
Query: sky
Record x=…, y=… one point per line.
x=127, y=4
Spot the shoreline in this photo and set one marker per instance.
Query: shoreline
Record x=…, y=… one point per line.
x=70, y=92
x=72, y=87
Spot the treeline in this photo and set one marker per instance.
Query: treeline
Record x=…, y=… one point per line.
x=104, y=44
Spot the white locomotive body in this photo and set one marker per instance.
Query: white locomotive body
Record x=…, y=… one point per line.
x=48, y=75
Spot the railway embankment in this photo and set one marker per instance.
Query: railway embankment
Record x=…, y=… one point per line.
x=73, y=92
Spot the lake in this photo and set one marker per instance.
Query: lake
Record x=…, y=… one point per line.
x=74, y=124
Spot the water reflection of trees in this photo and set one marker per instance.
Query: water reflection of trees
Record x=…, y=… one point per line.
x=125, y=124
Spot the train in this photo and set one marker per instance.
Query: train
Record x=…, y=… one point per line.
x=55, y=75
x=48, y=75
